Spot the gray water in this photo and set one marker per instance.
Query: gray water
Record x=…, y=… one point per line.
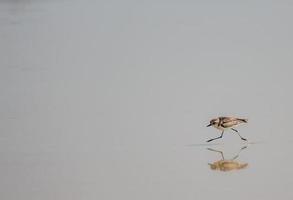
x=110, y=99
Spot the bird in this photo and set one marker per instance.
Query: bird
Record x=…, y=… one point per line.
x=224, y=123
x=226, y=165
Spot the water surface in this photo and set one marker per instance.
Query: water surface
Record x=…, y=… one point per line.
x=109, y=99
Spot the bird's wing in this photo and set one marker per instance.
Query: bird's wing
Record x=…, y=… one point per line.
x=229, y=122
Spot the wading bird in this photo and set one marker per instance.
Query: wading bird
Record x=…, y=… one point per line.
x=224, y=123
x=226, y=165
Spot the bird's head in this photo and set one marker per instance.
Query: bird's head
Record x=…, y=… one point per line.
x=213, y=122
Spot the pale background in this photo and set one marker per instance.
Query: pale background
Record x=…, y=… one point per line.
x=110, y=99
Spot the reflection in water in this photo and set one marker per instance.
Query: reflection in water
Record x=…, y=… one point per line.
x=227, y=164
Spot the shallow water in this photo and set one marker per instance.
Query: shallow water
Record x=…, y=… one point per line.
x=110, y=100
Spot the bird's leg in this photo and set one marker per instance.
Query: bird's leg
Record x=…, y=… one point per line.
x=216, y=137
x=235, y=157
x=242, y=138
x=210, y=149
x=239, y=152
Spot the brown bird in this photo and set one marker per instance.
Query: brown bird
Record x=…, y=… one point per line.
x=227, y=164
x=224, y=123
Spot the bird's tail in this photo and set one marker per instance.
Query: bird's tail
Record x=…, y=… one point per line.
x=242, y=166
x=243, y=120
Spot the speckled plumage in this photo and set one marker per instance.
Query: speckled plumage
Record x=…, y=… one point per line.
x=223, y=123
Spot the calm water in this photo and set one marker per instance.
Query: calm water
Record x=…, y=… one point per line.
x=110, y=99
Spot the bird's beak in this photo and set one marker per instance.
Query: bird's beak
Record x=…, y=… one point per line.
x=209, y=125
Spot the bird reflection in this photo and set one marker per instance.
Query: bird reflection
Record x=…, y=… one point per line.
x=226, y=165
